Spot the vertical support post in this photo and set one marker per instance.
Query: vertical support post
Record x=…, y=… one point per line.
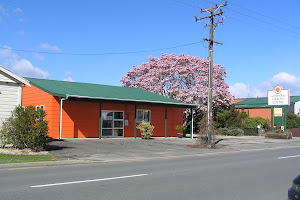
x=166, y=121
x=60, y=117
x=135, y=121
x=192, y=124
x=210, y=72
x=272, y=118
x=284, y=118
x=100, y=121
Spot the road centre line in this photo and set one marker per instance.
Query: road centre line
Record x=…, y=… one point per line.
x=289, y=157
x=86, y=181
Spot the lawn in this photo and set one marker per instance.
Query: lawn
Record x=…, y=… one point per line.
x=7, y=158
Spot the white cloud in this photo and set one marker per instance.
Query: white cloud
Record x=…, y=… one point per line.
x=49, y=47
x=239, y=90
x=25, y=68
x=18, y=10
x=68, y=73
x=286, y=80
x=3, y=11
x=68, y=79
x=20, y=65
x=21, y=32
x=38, y=56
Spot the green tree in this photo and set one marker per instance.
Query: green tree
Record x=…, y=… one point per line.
x=230, y=118
x=25, y=128
x=292, y=120
x=252, y=122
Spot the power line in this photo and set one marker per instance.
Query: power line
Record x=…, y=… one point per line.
x=261, y=20
x=249, y=17
x=261, y=27
x=230, y=2
x=253, y=17
x=100, y=54
x=187, y=4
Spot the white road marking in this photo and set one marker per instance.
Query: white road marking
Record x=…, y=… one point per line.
x=289, y=157
x=86, y=181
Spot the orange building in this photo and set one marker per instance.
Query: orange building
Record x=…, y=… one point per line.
x=82, y=110
x=258, y=107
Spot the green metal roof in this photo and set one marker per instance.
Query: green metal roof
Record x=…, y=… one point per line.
x=67, y=89
x=261, y=102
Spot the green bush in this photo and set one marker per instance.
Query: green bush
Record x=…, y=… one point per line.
x=250, y=132
x=292, y=120
x=279, y=131
x=224, y=131
x=25, y=128
x=252, y=123
x=230, y=132
x=179, y=128
x=236, y=132
x=146, y=130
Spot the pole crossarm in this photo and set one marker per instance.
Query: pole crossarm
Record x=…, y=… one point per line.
x=208, y=40
x=213, y=7
x=209, y=16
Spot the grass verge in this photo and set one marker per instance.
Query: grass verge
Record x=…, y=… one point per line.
x=7, y=158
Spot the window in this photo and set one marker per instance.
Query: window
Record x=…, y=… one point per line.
x=39, y=107
x=112, y=123
x=143, y=115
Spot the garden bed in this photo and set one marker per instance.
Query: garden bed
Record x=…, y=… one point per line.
x=278, y=135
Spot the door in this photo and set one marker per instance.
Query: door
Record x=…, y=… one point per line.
x=112, y=123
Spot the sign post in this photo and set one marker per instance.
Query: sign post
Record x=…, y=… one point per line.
x=280, y=98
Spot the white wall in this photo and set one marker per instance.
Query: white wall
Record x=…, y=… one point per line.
x=10, y=96
x=297, y=107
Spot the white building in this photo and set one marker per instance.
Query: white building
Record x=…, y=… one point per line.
x=10, y=92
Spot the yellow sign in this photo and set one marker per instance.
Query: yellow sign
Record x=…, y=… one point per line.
x=277, y=112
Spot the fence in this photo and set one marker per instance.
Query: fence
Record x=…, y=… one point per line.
x=296, y=132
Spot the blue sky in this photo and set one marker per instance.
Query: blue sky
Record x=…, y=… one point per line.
x=261, y=39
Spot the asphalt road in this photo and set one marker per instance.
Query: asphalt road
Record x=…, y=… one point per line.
x=264, y=175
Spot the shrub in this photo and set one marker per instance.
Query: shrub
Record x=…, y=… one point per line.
x=279, y=131
x=250, y=131
x=25, y=128
x=292, y=120
x=146, y=130
x=230, y=132
x=179, y=128
x=252, y=122
x=224, y=131
x=236, y=132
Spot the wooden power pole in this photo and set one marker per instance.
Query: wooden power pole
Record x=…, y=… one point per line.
x=211, y=42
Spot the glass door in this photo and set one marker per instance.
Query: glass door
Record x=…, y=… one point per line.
x=112, y=123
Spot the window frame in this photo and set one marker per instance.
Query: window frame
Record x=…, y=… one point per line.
x=113, y=120
x=143, y=110
x=40, y=106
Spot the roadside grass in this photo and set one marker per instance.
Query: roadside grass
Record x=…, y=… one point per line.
x=8, y=158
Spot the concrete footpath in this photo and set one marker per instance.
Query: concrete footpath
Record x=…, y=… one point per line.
x=86, y=151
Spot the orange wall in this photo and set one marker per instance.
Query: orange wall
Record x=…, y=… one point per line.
x=80, y=119
x=175, y=117
x=35, y=96
x=258, y=112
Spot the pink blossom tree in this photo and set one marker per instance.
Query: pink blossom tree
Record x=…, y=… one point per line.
x=182, y=77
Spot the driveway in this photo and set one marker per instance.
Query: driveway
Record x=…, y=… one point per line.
x=120, y=149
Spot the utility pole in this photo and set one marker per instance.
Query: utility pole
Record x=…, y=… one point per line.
x=211, y=42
